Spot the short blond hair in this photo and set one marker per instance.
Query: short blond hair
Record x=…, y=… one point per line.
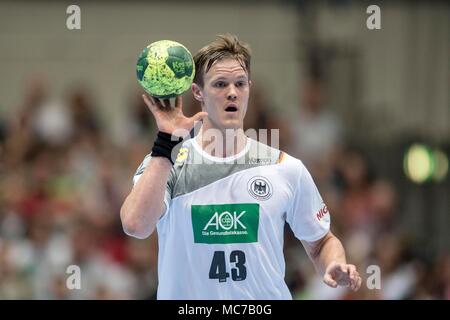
x=224, y=47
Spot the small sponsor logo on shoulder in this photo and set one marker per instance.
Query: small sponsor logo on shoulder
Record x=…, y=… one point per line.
x=182, y=154
x=322, y=212
x=260, y=188
x=262, y=161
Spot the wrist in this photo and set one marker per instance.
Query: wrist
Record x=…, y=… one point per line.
x=164, y=145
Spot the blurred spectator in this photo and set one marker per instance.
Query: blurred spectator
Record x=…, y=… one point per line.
x=50, y=120
x=142, y=261
x=355, y=182
x=366, y=202
x=141, y=124
x=399, y=272
x=83, y=113
x=317, y=132
x=442, y=277
x=261, y=116
x=62, y=188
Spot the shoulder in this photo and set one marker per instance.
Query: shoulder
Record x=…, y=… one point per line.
x=291, y=162
x=292, y=168
x=275, y=156
x=284, y=164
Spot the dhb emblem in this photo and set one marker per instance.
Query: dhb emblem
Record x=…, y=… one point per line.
x=260, y=188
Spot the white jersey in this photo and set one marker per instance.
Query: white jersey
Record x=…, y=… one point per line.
x=221, y=236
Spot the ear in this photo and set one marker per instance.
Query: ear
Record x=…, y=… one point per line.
x=197, y=92
x=250, y=83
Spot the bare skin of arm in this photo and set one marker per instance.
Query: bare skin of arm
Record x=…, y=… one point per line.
x=328, y=257
x=144, y=205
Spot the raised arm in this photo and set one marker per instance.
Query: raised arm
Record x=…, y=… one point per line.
x=144, y=205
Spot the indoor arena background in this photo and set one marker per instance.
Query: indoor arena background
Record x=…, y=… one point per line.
x=366, y=110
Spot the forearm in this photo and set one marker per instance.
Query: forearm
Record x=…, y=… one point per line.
x=330, y=249
x=145, y=203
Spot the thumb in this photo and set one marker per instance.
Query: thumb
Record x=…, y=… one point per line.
x=328, y=280
x=199, y=116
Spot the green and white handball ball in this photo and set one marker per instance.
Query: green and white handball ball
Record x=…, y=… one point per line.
x=165, y=69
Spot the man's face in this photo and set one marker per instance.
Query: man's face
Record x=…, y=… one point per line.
x=224, y=94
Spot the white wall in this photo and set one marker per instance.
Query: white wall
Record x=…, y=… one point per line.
x=403, y=70
x=34, y=37
x=400, y=73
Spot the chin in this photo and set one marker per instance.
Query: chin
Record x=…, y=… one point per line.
x=232, y=125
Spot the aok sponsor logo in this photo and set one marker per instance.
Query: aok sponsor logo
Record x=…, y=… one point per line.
x=225, y=223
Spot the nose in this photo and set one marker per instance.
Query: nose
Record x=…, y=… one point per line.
x=232, y=93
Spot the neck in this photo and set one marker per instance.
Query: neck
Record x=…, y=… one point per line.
x=221, y=143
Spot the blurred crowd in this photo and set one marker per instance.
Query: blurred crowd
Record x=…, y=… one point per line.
x=63, y=180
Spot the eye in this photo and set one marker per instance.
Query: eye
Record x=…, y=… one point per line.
x=220, y=84
x=240, y=84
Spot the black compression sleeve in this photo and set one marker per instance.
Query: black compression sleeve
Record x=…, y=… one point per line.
x=164, y=145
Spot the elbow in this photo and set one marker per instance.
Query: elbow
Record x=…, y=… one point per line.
x=134, y=227
x=316, y=249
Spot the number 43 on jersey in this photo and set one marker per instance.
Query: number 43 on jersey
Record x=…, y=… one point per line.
x=218, y=266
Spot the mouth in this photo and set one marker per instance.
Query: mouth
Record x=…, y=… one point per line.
x=231, y=108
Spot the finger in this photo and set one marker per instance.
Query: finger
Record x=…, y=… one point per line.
x=199, y=116
x=351, y=268
x=353, y=284
x=329, y=280
x=343, y=268
x=358, y=285
x=356, y=281
x=353, y=278
x=167, y=103
x=149, y=102
x=352, y=273
x=179, y=102
x=157, y=102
